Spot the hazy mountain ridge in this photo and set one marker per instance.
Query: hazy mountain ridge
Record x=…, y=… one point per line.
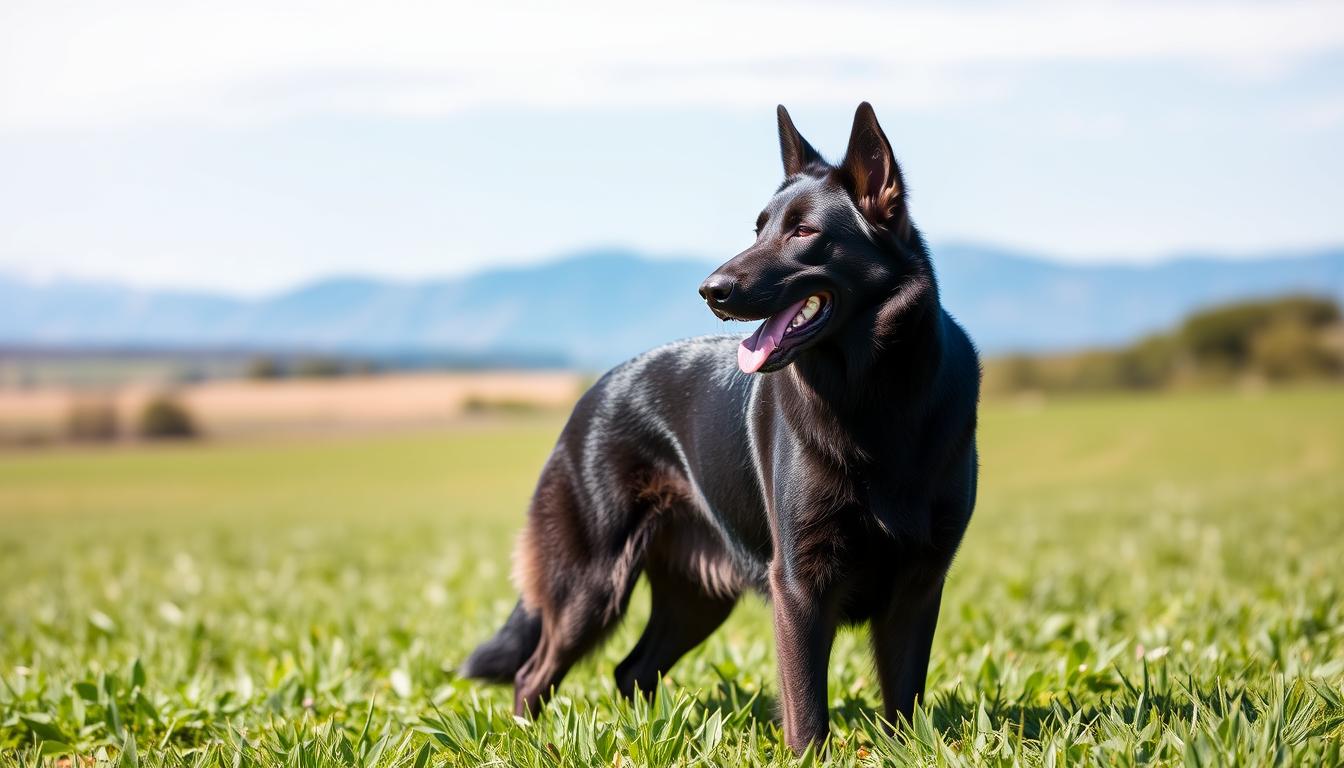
x=598, y=307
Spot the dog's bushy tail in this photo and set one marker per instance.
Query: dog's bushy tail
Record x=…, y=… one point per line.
x=499, y=658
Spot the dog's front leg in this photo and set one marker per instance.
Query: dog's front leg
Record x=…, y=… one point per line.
x=804, y=630
x=902, y=638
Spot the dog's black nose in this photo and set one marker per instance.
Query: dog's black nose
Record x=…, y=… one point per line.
x=717, y=288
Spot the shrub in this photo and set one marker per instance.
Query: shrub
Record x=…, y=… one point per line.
x=92, y=419
x=1222, y=337
x=165, y=417
x=1288, y=351
x=483, y=405
x=1015, y=373
x=264, y=368
x=1286, y=339
x=319, y=368
x=364, y=368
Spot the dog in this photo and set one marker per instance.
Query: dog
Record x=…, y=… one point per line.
x=828, y=460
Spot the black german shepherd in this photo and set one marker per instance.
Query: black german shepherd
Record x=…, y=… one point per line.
x=839, y=483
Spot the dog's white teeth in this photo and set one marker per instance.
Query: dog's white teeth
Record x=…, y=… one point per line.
x=806, y=313
x=810, y=308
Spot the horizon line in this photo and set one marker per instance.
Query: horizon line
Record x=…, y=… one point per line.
x=634, y=253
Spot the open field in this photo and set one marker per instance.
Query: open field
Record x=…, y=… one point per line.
x=1147, y=581
x=234, y=407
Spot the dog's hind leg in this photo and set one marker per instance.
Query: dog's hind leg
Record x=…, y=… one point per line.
x=577, y=572
x=684, y=611
x=571, y=627
x=499, y=658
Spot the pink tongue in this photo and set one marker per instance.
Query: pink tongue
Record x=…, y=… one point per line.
x=758, y=346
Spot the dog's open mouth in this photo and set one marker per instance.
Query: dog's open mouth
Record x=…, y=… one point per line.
x=781, y=332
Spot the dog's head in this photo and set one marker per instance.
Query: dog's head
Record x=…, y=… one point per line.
x=833, y=244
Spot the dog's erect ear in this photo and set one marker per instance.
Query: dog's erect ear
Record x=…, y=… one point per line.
x=870, y=171
x=795, y=150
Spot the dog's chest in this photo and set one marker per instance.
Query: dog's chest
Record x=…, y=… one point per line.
x=881, y=548
x=880, y=571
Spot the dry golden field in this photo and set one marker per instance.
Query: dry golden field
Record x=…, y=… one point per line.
x=243, y=407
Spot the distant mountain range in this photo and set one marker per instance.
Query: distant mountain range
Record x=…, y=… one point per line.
x=596, y=308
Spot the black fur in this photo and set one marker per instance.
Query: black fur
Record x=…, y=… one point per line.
x=838, y=481
x=499, y=659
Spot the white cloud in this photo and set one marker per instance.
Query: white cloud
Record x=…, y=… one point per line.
x=79, y=64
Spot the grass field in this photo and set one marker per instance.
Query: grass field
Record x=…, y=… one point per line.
x=1147, y=582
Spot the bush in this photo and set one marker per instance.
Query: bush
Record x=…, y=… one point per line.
x=1016, y=373
x=482, y=405
x=1148, y=364
x=264, y=368
x=319, y=368
x=1222, y=337
x=92, y=419
x=364, y=368
x=165, y=417
x=1287, y=351
x=1287, y=339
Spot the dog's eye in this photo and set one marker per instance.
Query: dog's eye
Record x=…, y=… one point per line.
x=802, y=230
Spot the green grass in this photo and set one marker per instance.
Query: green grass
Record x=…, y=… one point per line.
x=1146, y=582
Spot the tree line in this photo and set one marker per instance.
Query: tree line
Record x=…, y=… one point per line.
x=1280, y=340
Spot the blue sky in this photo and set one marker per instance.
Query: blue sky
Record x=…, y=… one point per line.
x=249, y=146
